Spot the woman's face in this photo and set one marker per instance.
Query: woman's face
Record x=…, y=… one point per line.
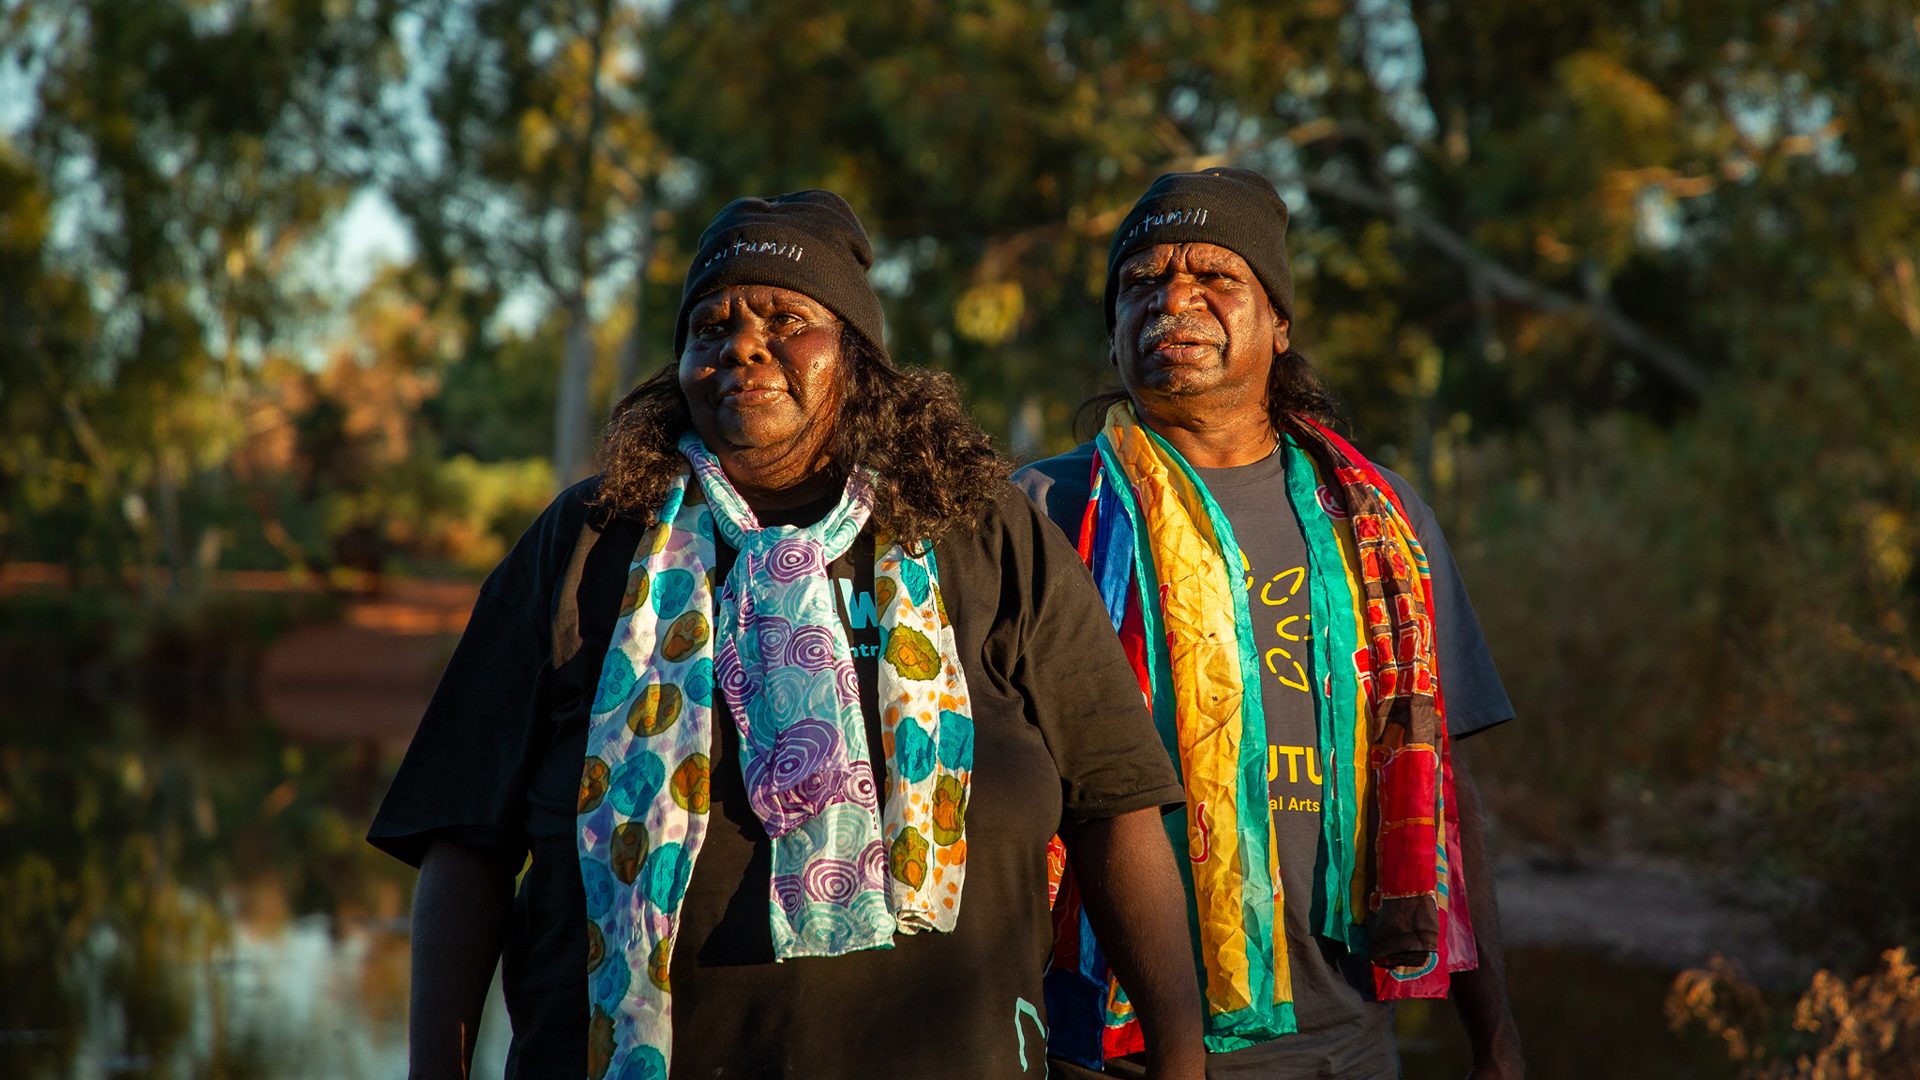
x=761, y=373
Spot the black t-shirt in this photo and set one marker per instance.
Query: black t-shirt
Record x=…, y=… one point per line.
x=1060, y=735
x=1343, y=1032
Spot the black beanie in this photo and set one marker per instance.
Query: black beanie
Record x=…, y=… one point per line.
x=1236, y=209
x=809, y=241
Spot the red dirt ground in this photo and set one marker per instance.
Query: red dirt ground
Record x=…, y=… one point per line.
x=368, y=676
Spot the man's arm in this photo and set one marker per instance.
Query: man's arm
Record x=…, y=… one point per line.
x=460, y=908
x=1480, y=995
x=1131, y=887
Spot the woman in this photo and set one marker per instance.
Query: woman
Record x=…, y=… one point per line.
x=835, y=684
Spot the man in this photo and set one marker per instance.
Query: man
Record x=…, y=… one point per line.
x=1277, y=592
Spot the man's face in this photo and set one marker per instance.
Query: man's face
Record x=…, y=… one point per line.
x=1192, y=319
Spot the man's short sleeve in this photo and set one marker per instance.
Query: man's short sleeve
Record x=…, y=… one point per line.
x=1059, y=487
x=467, y=771
x=1475, y=697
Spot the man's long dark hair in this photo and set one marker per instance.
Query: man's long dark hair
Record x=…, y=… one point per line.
x=934, y=468
x=1293, y=389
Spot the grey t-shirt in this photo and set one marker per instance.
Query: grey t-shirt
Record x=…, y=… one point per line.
x=1339, y=1025
x=1343, y=1033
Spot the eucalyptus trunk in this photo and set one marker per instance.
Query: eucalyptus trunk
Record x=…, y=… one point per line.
x=573, y=426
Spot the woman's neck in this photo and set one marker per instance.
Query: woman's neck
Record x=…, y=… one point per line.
x=771, y=490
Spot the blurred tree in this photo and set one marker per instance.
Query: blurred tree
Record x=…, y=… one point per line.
x=173, y=165
x=528, y=174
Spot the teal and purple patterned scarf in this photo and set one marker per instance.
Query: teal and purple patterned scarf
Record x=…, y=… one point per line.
x=848, y=873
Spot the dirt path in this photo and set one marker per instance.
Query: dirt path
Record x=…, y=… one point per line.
x=1640, y=911
x=370, y=675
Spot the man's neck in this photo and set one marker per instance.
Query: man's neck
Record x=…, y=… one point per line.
x=1209, y=438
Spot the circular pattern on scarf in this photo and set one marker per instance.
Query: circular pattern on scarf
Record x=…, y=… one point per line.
x=804, y=748
x=908, y=859
x=599, y=1044
x=771, y=634
x=636, y=782
x=911, y=654
x=873, y=865
x=788, y=691
x=643, y=1063
x=654, y=710
x=658, y=962
x=956, y=740
x=914, y=577
x=593, y=785
x=616, y=681
x=684, y=637
x=949, y=810
x=857, y=786
x=636, y=593
x=784, y=809
x=811, y=648
x=608, y=985
x=699, y=682
x=832, y=881
x=692, y=784
x=666, y=875
x=627, y=849
x=1328, y=504
x=600, y=887
x=596, y=946
x=813, y=835
x=793, y=559
x=824, y=929
x=732, y=677
x=671, y=592
x=789, y=893
x=823, y=694
x=912, y=750
x=883, y=593
x=846, y=683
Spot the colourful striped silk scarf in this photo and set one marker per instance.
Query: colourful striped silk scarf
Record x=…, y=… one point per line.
x=1160, y=550
x=848, y=871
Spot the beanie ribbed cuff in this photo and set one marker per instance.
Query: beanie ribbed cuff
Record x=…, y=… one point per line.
x=809, y=241
x=1236, y=209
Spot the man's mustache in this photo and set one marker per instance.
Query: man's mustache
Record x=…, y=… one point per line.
x=1185, y=327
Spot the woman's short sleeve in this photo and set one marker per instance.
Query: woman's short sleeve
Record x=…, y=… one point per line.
x=467, y=772
x=1056, y=646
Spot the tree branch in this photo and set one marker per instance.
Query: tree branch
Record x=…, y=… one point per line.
x=1670, y=362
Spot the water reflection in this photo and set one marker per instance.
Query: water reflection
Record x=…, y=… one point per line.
x=185, y=892
x=1581, y=1016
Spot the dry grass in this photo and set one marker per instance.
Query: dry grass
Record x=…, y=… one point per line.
x=1866, y=1030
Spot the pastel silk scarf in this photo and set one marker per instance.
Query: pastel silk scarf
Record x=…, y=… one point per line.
x=847, y=873
x=1160, y=550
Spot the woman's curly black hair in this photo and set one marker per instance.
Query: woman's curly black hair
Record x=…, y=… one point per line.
x=1293, y=389
x=934, y=468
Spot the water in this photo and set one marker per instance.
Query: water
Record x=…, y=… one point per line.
x=185, y=893
x=1581, y=1017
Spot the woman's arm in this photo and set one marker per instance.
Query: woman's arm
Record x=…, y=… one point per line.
x=1131, y=887
x=460, y=908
